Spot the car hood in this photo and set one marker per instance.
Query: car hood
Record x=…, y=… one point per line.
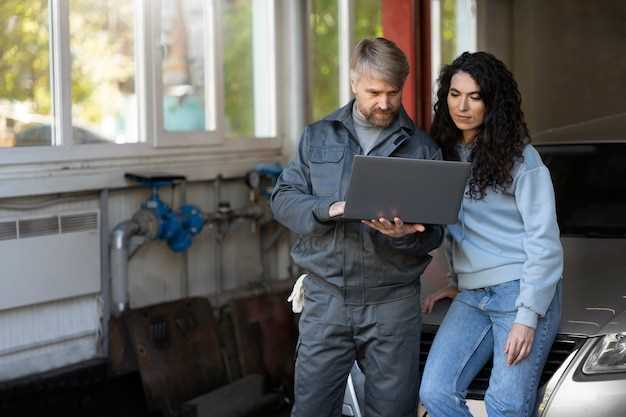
x=594, y=286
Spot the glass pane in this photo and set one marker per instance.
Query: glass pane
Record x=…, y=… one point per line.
x=249, y=68
x=182, y=41
x=367, y=19
x=448, y=31
x=104, y=103
x=449, y=19
x=25, y=93
x=238, y=67
x=324, y=57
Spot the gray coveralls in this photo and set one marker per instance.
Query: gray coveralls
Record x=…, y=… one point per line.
x=362, y=295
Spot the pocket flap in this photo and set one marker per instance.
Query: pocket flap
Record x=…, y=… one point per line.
x=327, y=154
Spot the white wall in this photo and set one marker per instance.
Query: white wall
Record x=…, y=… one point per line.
x=155, y=272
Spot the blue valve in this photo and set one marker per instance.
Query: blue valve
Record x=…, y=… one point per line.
x=177, y=228
x=193, y=219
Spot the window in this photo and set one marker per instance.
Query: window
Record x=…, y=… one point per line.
x=238, y=72
x=186, y=107
x=249, y=68
x=104, y=103
x=335, y=27
x=25, y=91
x=324, y=61
x=367, y=19
x=453, y=31
x=217, y=86
x=169, y=73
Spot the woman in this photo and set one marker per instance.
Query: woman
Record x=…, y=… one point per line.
x=505, y=254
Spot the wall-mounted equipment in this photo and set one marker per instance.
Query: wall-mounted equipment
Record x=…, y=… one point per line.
x=162, y=222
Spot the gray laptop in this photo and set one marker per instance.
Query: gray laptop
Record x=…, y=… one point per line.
x=415, y=190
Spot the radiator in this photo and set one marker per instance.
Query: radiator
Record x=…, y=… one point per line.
x=50, y=313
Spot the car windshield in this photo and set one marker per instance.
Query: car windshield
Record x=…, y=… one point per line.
x=590, y=187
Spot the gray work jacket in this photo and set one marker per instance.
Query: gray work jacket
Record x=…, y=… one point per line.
x=366, y=266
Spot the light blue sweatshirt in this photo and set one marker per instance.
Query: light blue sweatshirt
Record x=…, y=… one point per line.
x=510, y=235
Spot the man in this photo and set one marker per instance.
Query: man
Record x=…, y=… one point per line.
x=362, y=289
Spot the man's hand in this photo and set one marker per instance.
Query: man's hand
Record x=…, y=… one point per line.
x=337, y=208
x=519, y=343
x=395, y=229
x=429, y=302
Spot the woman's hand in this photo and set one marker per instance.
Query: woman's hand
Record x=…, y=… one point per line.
x=429, y=302
x=519, y=343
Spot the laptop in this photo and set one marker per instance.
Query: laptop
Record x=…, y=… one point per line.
x=415, y=190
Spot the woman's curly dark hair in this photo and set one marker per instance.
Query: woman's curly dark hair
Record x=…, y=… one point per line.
x=501, y=138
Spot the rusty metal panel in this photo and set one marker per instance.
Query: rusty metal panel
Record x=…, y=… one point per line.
x=177, y=350
x=228, y=344
x=266, y=336
x=121, y=353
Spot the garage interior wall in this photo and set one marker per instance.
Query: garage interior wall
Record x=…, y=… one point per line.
x=567, y=56
x=156, y=273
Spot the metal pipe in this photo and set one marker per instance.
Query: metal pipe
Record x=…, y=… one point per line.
x=296, y=94
x=219, y=237
x=119, y=264
x=105, y=271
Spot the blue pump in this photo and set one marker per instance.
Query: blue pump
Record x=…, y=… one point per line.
x=177, y=229
x=163, y=223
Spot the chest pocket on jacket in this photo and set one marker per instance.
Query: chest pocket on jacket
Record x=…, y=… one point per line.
x=326, y=168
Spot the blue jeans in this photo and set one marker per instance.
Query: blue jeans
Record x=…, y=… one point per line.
x=475, y=328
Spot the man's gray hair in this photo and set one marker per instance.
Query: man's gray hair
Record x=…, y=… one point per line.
x=380, y=57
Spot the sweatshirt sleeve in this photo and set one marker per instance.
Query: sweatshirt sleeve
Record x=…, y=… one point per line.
x=543, y=267
x=293, y=203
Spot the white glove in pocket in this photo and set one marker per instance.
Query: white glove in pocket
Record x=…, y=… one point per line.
x=297, y=295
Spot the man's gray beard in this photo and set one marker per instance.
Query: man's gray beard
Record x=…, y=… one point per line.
x=371, y=118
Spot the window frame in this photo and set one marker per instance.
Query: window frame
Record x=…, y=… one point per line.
x=152, y=141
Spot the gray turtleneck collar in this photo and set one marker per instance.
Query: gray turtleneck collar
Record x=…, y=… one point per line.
x=367, y=134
